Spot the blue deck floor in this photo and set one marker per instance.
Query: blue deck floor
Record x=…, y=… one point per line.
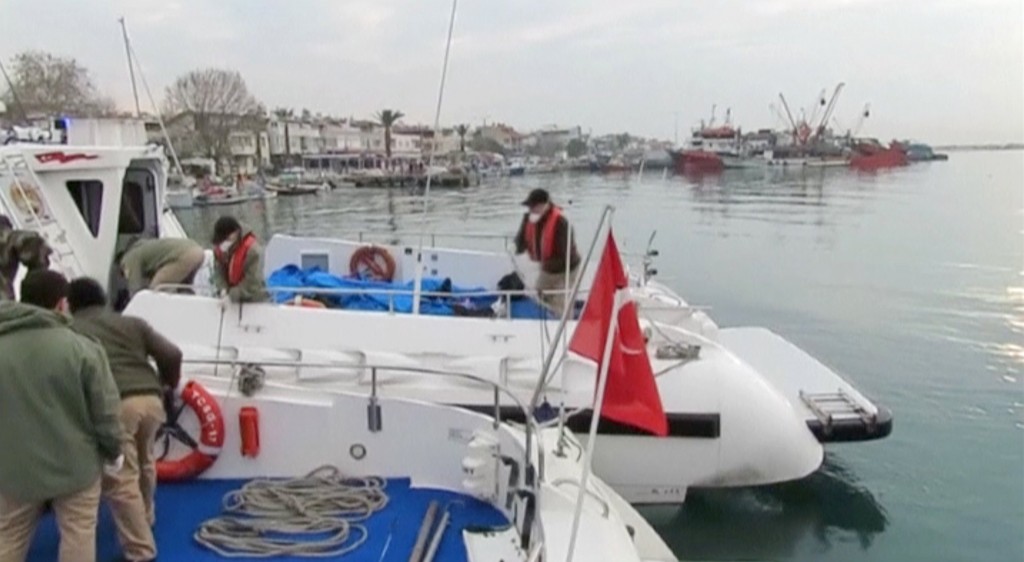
x=182, y=507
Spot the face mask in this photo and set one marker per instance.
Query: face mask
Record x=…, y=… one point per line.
x=534, y=217
x=226, y=245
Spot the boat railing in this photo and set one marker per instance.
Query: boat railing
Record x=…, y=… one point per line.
x=504, y=296
x=432, y=236
x=533, y=474
x=369, y=236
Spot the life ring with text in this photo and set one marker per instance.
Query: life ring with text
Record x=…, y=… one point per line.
x=372, y=262
x=203, y=452
x=306, y=303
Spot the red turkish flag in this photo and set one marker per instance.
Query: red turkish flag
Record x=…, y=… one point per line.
x=631, y=393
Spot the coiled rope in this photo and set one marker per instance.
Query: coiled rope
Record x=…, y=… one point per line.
x=276, y=517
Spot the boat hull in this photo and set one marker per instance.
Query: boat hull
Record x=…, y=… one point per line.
x=728, y=425
x=875, y=158
x=696, y=161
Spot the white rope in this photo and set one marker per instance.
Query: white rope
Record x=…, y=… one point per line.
x=264, y=512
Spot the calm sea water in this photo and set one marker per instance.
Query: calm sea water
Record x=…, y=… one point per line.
x=911, y=282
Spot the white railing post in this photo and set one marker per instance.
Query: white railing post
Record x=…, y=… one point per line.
x=602, y=385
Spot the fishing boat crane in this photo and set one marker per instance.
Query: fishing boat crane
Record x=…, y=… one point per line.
x=820, y=130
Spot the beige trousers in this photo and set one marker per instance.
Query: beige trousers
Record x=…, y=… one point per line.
x=131, y=491
x=76, y=520
x=551, y=288
x=180, y=271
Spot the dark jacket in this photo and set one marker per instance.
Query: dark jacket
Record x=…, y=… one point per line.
x=129, y=343
x=17, y=248
x=556, y=264
x=59, y=408
x=253, y=287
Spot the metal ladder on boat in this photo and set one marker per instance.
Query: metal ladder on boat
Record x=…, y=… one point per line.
x=39, y=220
x=832, y=407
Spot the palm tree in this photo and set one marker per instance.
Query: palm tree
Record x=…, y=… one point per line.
x=462, y=130
x=286, y=115
x=387, y=118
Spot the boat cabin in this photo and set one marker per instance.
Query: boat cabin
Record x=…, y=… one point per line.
x=88, y=202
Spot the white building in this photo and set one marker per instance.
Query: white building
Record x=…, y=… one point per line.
x=250, y=151
x=341, y=136
x=553, y=138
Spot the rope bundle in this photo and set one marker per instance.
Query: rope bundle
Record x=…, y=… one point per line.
x=275, y=517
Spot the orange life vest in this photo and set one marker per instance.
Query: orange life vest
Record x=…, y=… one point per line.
x=236, y=267
x=547, y=237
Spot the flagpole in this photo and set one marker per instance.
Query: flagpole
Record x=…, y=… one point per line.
x=602, y=384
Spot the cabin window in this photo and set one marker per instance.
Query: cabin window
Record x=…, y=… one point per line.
x=88, y=196
x=133, y=210
x=139, y=213
x=316, y=259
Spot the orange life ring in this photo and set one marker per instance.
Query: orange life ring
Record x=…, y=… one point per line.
x=372, y=262
x=306, y=303
x=211, y=436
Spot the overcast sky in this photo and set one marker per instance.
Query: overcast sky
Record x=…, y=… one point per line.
x=936, y=70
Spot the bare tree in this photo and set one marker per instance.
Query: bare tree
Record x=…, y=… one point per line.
x=217, y=102
x=48, y=84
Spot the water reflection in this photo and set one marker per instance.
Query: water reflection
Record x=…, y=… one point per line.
x=827, y=508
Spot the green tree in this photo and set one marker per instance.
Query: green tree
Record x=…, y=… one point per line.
x=486, y=144
x=462, y=130
x=44, y=83
x=387, y=118
x=576, y=148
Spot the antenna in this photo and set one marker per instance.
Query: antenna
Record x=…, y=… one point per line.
x=14, y=93
x=131, y=67
x=418, y=286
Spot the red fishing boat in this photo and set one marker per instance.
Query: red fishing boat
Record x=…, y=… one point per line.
x=871, y=155
x=696, y=161
x=702, y=154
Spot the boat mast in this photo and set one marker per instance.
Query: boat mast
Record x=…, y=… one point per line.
x=134, y=58
x=418, y=285
x=828, y=110
x=131, y=66
x=818, y=104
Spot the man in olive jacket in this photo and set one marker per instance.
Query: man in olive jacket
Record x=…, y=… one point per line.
x=238, y=268
x=161, y=261
x=59, y=413
x=18, y=248
x=130, y=342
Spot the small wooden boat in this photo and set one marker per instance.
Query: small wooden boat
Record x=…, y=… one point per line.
x=234, y=199
x=296, y=189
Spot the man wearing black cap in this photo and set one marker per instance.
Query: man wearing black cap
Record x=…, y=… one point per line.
x=547, y=237
x=238, y=267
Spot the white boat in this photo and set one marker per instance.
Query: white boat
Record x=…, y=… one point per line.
x=509, y=491
x=180, y=199
x=744, y=406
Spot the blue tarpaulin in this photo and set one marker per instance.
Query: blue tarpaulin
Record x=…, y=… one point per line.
x=374, y=295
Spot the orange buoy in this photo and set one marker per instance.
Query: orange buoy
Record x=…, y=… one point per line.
x=249, y=429
x=372, y=262
x=211, y=437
